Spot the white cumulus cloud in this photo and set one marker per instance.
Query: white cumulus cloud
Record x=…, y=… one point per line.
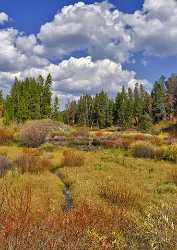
x=94, y=28
x=3, y=17
x=154, y=29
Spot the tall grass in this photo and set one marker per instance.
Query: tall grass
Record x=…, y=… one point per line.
x=32, y=162
x=120, y=195
x=72, y=158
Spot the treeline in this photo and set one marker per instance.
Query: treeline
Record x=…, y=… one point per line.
x=29, y=99
x=32, y=99
x=131, y=108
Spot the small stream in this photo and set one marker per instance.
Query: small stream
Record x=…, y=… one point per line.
x=68, y=201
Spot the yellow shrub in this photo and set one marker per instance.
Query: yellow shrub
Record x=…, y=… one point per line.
x=72, y=158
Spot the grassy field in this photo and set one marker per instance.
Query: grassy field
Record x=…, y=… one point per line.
x=124, y=192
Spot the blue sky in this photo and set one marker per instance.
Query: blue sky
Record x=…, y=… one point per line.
x=28, y=16
x=86, y=50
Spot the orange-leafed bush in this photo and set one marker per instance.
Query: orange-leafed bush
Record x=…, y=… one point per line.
x=15, y=217
x=72, y=158
x=31, y=161
x=99, y=133
x=87, y=226
x=6, y=135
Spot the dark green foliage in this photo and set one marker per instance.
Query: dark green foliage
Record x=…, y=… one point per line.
x=145, y=123
x=29, y=99
x=123, y=109
x=56, y=107
x=158, y=101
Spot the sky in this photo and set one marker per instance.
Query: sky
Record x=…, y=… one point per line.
x=88, y=45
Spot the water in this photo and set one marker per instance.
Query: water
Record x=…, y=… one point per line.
x=68, y=201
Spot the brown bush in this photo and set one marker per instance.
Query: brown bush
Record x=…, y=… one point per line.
x=143, y=150
x=72, y=159
x=31, y=161
x=5, y=165
x=6, y=135
x=117, y=143
x=81, y=132
x=33, y=134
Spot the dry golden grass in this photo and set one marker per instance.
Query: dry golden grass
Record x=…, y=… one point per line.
x=121, y=195
x=72, y=159
x=6, y=135
x=116, y=200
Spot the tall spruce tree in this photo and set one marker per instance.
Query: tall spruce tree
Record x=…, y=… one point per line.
x=26, y=100
x=46, y=109
x=56, y=108
x=123, y=109
x=158, y=102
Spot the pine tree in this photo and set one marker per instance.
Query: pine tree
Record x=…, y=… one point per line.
x=100, y=108
x=1, y=104
x=109, y=113
x=171, y=96
x=123, y=109
x=46, y=98
x=29, y=99
x=145, y=122
x=56, y=107
x=158, y=102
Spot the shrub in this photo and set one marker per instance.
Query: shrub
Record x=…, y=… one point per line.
x=157, y=140
x=30, y=161
x=143, y=150
x=160, y=153
x=173, y=176
x=72, y=158
x=6, y=135
x=170, y=153
x=81, y=132
x=48, y=147
x=121, y=195
x=161, y=226
x=33, y=134
x=99, y=133
x=117, y=143
x=166, y=188
x=5, y=165
x=145, y=123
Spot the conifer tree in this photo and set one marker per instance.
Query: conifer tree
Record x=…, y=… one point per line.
x=56, y=107
x=158, y=102
x=46, y=98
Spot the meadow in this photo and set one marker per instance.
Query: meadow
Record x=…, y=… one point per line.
x=76, y=188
